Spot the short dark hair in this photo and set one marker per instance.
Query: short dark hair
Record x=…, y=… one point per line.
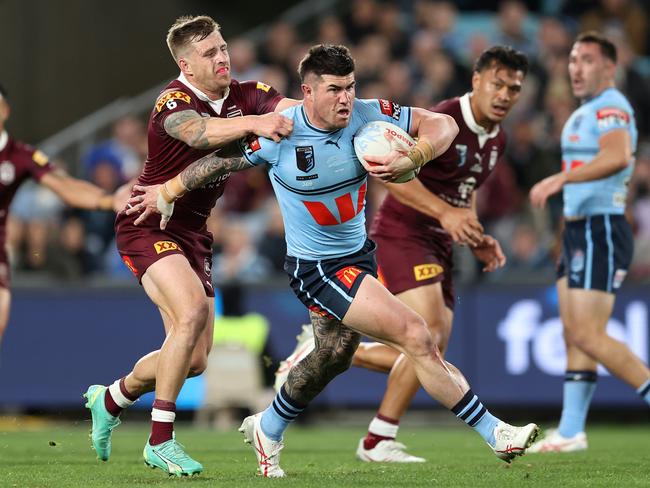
x=607, y=47
x=502, y=56
x=3, y=93
x=188, y=29
x=326, y=59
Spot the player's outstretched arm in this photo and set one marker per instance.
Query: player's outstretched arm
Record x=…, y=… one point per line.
x=614, y=155
x=213, y=132
x=160, y=198
x=77, y=193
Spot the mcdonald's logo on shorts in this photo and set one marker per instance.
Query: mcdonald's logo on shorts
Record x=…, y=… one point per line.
x=427, y=271
x=164, y=246
x=348, y=275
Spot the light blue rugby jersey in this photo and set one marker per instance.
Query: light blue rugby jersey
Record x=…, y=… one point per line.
x=608, y=111
x=319, y=182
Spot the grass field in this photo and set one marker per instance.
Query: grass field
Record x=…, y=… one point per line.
x=59, y=456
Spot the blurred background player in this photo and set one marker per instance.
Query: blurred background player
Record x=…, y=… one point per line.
x=598, y=145
x=204, y=108
x=415, y=229
x=330, y=260
x=18, y=163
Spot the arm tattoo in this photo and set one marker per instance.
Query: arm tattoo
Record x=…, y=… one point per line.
x=188, y=126
x=209, y=169
x=335, y=347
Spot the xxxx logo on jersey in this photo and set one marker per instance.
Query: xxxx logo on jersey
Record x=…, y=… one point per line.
x=170, y=97
x=427, y=271
x=164, y=246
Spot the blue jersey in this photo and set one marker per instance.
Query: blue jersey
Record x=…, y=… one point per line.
x=608, y=111
x=319, y=182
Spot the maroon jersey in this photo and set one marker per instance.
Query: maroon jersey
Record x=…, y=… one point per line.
x=18, y=162
x=454, y=175
x=169, y=156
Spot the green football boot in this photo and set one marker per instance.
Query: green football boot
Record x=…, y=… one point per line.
x=171, y=458
x=103, y=422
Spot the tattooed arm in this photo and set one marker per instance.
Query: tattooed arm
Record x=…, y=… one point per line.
x=160, y=198
x=335, y=345
x=213, y=132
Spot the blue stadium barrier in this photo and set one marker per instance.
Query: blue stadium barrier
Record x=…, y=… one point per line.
x=507, y=340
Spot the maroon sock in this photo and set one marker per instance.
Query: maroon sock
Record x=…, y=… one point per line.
x=162, y=431
x=109, y=402
x=371, y=440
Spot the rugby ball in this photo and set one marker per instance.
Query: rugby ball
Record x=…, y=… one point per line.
x=378, y=138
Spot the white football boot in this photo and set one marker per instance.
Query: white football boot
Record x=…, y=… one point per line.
x=304, y=346
x=267, y=451
x=554, y=442
x=387, y=451
x=511, y=441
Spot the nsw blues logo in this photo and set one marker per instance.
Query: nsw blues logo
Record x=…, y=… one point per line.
x=305, y=158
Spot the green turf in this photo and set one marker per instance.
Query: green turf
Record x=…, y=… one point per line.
x=60, y=456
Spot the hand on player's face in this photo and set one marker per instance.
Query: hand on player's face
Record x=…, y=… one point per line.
x=149, y=202
x=273, y=126
x=462, y=225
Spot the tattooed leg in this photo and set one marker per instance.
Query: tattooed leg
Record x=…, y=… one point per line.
x=335, y=347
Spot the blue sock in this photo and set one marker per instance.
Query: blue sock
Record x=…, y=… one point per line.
x=279, y=415
x=579, y=387
x=471, y=411
x=644, y=391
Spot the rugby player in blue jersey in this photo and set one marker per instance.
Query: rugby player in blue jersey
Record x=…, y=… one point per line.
x=321, y=187
x=598, y=145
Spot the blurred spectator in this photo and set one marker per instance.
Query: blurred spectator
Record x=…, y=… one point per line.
x=243, y=61
x=511, y=29
x=626, y=15
x=67, y=257
x=239, y=260
x=526, y=253
x=278, y=45
x=331, y=31
x=361, y=20
x=272, y=245
x=392, y=26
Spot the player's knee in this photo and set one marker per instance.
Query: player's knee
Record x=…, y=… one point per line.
x=335, y=361
x=198, y=365
x=417, y=339
x=193, y=319
x=579, y=338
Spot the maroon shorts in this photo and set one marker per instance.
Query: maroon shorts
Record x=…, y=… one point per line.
x=5, y=268
x=141, y=246
x=409, y=257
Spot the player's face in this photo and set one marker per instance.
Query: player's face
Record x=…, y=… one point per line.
x=329, y=99
x=589, y=70
x=208, y=64
x=495, y=90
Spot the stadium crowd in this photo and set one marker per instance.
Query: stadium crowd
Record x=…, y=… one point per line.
x=414, y=53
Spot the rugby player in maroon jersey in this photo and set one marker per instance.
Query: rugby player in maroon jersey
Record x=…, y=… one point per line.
x=201, y=110
x=18, y=163
x=415, y=228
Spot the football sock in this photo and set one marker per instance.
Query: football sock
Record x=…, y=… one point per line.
x=381, y=428
x=644, y=391
x=471, y=411
x=579, y=387
x=279, y=415
x=163, y=415
x=117, y=398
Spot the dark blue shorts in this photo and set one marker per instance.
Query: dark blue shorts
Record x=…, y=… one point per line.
x=596, y=252
x=328, y=286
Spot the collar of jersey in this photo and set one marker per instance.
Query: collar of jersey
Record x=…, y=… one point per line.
x=471, y=123
x=587, y=100
x=308, y=124
x=4, y=137
x=215, y=104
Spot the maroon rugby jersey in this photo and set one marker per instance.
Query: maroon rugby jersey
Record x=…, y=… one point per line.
x=18, y=162
x=169, y=156
x=454, y=175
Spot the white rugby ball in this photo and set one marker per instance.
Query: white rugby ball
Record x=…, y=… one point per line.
x=378, y=138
